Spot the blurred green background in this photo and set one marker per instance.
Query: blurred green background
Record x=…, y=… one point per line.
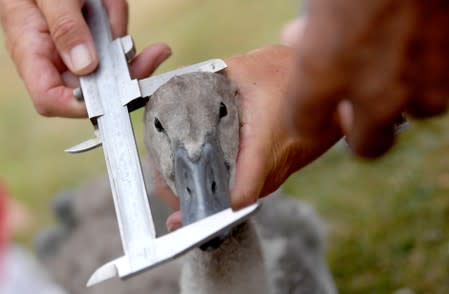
x=388, y=220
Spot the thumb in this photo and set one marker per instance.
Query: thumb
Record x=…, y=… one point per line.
x=70, y=34
x=251, y=169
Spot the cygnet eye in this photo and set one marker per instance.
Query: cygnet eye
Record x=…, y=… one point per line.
x=158, y=125
x=223, y=110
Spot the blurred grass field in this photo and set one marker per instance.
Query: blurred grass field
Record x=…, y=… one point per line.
x=388, y=219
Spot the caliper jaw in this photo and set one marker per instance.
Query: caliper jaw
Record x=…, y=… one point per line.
x=170, y=246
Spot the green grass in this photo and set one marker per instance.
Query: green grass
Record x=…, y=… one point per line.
x=388, y=219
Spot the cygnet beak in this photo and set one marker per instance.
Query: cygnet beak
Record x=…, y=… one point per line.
x=202, y=186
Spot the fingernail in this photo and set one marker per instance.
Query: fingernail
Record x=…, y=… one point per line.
x=170, y=228
x=346, y=114
x=80, y=58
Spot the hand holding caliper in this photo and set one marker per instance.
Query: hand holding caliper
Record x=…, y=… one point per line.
x=109, y=94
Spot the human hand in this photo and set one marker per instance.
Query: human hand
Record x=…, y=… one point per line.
x=363, y=63
x=270, y=148
x=50, y=43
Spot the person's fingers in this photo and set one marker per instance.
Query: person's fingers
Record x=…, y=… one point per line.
x=149, y=60
x=70, y=34
x=174, y=221
x=369, y=129
x=261, y=77
x=253, y=157
x=313, y=107
x=251, y=171
x=36, y=57
x=50, y=95
x=118, y=16
x=162, y=190
x=323, y=80
x=37, y=60
x=428, y=63
x=316, y=87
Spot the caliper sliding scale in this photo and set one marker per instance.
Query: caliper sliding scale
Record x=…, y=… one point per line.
x=110, y=94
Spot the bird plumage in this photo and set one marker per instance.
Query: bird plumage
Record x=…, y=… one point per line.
x=281, y=250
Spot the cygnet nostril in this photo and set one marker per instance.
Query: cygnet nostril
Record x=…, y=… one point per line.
x=213, y=187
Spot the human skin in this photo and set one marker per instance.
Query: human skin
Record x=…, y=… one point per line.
x=356, y=66
x=366, y=62
x=270, y=147
x=50, y=45
x=359, y=66
x=43, y=44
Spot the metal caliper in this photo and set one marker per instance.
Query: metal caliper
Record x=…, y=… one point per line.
x=110, y=94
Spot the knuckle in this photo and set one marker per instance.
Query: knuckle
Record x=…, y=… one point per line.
x=43, y=109
x=65, y=31
x=9, y=11
x=42, y=103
